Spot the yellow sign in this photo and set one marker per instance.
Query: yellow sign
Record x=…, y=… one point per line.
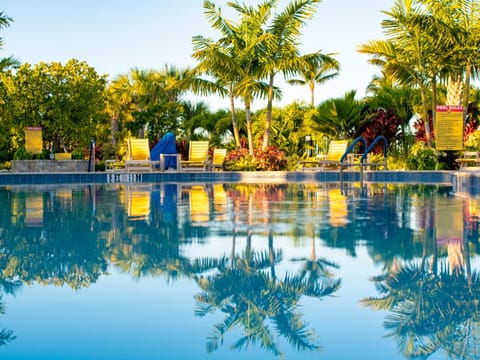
x=33, y=140
x=449, y=127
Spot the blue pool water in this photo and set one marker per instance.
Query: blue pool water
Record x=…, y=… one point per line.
x=235, y=271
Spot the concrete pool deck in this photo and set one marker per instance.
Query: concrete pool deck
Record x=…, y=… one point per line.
x=465, y=181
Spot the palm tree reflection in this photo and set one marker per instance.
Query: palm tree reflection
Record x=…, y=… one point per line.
x=430, y=312
x=433, y=304
x=11, y=287
x=252, y=297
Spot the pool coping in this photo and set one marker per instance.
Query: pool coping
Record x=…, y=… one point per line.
x=462, y=181
x=465, y=181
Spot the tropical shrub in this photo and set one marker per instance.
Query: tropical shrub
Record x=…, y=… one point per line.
x=422, y=158
x=78, y=154
x=473, y=141
x=384, y=123
x=240, y=160
x=22, y=154
x=339, y=118
x=269, y=160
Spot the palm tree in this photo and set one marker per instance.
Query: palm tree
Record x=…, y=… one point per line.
x=463, y=16
x=429, y=312
x=338, y=118
x=216, y=62
x=317, y=68
x=280, y=52
x=423, y=46
x=233, y=58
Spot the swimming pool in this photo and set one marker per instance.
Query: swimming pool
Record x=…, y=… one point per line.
x=208, y=270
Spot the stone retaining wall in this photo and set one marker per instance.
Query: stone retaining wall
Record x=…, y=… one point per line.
x=49, y=166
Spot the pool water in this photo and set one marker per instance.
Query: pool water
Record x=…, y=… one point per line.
x=235, y=271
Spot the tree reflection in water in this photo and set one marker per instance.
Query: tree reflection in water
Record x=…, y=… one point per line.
x=8, y=287
x=72, y=236
x=433, y=304
x=252, y=297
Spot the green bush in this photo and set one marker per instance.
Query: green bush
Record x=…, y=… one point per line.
x=22, y=154
x=473, y=141
x=78, y=154
x=240, y=160
x=422, y=158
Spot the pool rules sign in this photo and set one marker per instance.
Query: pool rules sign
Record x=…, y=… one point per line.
x=449, y=127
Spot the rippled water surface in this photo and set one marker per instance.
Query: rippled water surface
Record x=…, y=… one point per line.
x=238, y=271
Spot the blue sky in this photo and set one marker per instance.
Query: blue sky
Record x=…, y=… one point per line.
x=114, y=36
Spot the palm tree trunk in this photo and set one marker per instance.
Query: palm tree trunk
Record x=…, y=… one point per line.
x=248, y=117
x=426, y=120
x=268, y=117
x=114, y=129
x=466, y=92
x=434, y=102
x=312, y=94
x=236, y=132
x=271, y=254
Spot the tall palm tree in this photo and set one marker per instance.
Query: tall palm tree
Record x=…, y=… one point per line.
x=215, y=61
x=421, y=48
x=463, y=16
x=280, y=52
x=317, y=68
x=233, y=58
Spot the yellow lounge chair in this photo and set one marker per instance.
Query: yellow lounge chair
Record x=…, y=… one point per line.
x=217, y=160
x=336, y=150
x=138, y=155
x=138, y=202
x=63, y=156
x=338, y=210
x=199, y=204
x=197, y=155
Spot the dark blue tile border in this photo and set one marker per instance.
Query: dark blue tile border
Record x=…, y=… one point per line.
x=462, y=182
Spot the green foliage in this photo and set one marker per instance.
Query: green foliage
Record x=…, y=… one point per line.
x=395, y=162
x=4, y=155
x=422, y=158
x=7, y=165
x=287, y=128
x=65, y=100
x=78, y=154
x=22, y=154
x=339, y=118
x=473, y=141
x=240, y=160
x=377, y=159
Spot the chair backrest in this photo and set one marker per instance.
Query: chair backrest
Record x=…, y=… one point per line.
x=198, y=151
x=199, y=204
x=63, y=156
x=138, y=203
x=138, y=149
x=218, y=156
x=336, y=149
